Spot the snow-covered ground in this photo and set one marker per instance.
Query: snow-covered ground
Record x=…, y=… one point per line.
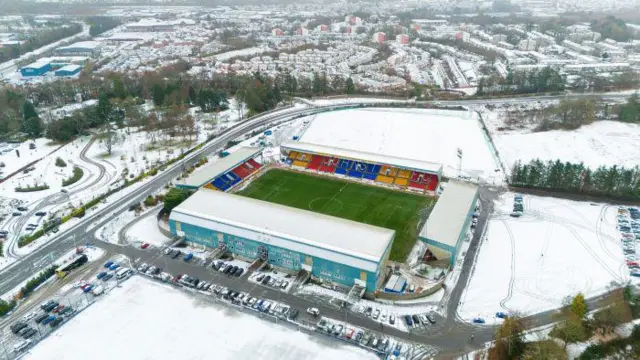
x=426, y=135
x=558, y=248
x=11, y=160
x=600, y=143
x=242, y=52
x=132, y=317
x=146, y=230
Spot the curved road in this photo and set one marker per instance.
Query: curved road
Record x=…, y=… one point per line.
x=452, y=335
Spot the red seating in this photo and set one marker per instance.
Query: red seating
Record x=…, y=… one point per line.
x=416, y=185
x=315, y=162
x=254, y=164
x=423, y=181
x=329, y=165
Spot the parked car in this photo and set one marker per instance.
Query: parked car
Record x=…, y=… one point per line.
x=101, y=275
x=48, y=319
x=29, y=333
x=144, y=245
x=41, y=213
x=238, y=272
x=188, y=257
x=392, y=319
x=17, y=327
x=313, y=311
x=260, y=277
x=50, y=305
x=114, y=266
x=108, y=276
x=431, y=319
x=284, y=285
x=415, y=319
x=501, y=315
x=21, y=346
x=376, y=314
x=167, y=251
x=108, y=264
x=408, y=320
x=478, y=320
x=266, y=280
x=176, y=253
x=55, y=322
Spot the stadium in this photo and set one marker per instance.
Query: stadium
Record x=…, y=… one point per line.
x=338, y=214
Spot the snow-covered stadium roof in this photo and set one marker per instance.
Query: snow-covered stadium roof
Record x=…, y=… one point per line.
x=363, y=156
x=450, y=213
x=342, y=241
x=212, y=169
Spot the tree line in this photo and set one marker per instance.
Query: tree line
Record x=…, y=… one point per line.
x=100, y=24
x=630, y=111
x=38, y=39
x=536, y=81
x=610, y=181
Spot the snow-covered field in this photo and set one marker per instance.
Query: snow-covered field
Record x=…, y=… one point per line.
x=11, y=160
x=601, y=143
x=131, y=322
x=558, y=248
x=426, y=135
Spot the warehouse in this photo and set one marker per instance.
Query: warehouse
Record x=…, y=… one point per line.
x=225, y=173
x=333, y=249
x=83, y=48
x=450, y=219
x=37, y=68
x=68, y=70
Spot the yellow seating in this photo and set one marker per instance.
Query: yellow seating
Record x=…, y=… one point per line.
x=304, y=157
x=293, y=155
x=210, y=186
x=391, y=171
x=384, y=179
x=401, y=181
x=405, y=174
x=300, y=163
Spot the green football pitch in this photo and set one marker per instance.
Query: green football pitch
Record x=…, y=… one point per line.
x=377, y=206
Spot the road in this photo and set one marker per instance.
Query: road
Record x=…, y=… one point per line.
x=452, y=336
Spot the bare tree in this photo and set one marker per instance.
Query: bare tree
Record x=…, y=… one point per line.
x=110, y=138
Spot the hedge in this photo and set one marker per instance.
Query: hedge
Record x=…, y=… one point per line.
x=32, y=284
x=32, y=188
x=60, y=162
x=77, y=175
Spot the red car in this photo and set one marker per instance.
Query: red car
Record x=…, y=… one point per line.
x=630, y=263
x=58, y=308
x=144, y=245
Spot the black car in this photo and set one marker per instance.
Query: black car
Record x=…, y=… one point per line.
x=176, y=254
x=107, y=276
x=195, y=282
x=16, y=214
x=40, y=318
x=51, y=306
x=266, y=279
x=238, y=272
x=293, y=314
x=22, y=208
x=156, y=271
x=415, y=319
x=233, y=270
x=216, y=265
x=41, y=213
x=55, y=322
x=17, y=327
x=227, y=269
x=29, y=333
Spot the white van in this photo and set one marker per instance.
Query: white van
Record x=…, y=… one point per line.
x=98, y=290
x=21, y=346
x=123, y=273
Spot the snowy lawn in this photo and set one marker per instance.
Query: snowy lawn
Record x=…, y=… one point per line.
x=146, y=230
x=131, y=319
x=601, y=143
x=426, y=135
x=558, y=248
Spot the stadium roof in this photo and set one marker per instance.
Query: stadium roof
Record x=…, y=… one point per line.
x=211, y=170
x=363, y=156
x=343, y=241
x=450, y=213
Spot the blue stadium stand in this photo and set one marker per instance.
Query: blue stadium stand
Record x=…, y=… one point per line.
x=220, y=184
x=343, y=167
x=232, y=178
x=355, y=174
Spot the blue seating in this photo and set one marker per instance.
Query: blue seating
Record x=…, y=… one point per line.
x=355, y=174
x=232, y=178
x=220, y=184
x=374, y=168
x=370, y=176
x=341, y=171
x=345, y=164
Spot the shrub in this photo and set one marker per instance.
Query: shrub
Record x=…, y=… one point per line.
x=153, y=172
x=77, y=175
x=30, y=188
x=6, y=307
x=60, y=162
x=37, y=281
x=150, y=201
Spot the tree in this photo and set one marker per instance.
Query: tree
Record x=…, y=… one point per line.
x=351, y=88
x=175, y=197
x=110, y=138
x=546, y=349
x=508, y=342
x=104, y=109
x=610, y=317
x=630, y=112
x=570, y=330
x=578, y=306
x=31, y=123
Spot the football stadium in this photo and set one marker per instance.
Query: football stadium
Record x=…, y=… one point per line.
x=337, y=214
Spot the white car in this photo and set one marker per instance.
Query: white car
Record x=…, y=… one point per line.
x=29, y=316
x=313, y=311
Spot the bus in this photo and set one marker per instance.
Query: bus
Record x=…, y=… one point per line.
x=75, y=261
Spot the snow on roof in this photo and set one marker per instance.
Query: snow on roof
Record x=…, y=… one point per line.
x=450, y=213
x=213, y=169
x=429, y=135
x=343, y=241
x=70, y=68
x=39, y=63
x=363, y=156
x=91, y=45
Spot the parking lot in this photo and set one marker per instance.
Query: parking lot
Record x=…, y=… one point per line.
x=629, y=226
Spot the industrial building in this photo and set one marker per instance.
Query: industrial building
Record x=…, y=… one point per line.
x=224, y=173
x=449, y=220
x=68, y=70
x=151, y=25
x=329, y=248
x=83, y=48
x=37, y=68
